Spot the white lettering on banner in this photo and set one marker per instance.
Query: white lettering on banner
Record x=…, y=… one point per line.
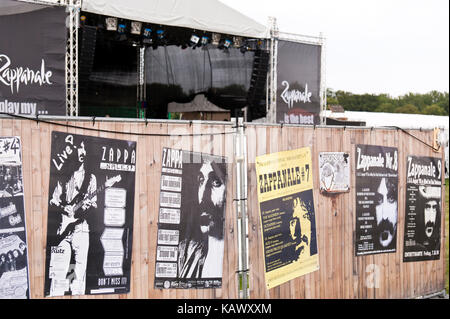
x=298, y=119
x=14, y=77
x=291, y=96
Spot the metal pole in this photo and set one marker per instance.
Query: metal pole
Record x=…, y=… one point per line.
x=241, y=204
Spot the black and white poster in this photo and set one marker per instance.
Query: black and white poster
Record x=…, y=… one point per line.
x=423, y=209
x=32, y=59
x=190, y=243
x=376, y=199
x=14, y=278
x=334, y=171
x=298, y=84
x=90, y=215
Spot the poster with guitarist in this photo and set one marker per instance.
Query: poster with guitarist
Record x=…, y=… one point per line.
x=90, y=215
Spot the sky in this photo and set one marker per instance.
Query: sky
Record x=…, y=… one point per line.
x=372, y=46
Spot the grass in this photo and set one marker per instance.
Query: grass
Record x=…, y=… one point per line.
x=446, y=235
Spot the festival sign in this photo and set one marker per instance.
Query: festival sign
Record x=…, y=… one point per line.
x=376, y=199
x=286, y=204
x=190, y=246
x=298, y=74
x=90, y=215
x=14, y=278
x=334, y=171
x=423, y=209
x=32, y=62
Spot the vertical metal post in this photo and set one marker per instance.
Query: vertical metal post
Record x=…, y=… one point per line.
x=73, y=9
x=272, y=83
x=240, y=159
x=323, y=86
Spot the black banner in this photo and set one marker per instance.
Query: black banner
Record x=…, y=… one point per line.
x=376, y=199
x=14, y=282
x=90, y=215
x=423, y=209
x=298, y=74
x=32, y=62
x=190, y=246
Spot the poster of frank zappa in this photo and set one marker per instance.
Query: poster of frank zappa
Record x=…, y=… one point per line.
x=376, y=199
x=285, y=197
x=423, y=209
x=90, y=215
x=190, y=241
x=334, y=171
x=14, y=282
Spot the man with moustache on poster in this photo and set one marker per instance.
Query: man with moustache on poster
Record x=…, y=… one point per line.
x=429, y=218
x=72, y=237
x=386, y=211
x=201, y=249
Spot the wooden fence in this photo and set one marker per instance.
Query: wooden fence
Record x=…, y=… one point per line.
x=341, y=274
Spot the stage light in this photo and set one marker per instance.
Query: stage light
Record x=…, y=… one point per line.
x=205, y=40
x=147, y=36
x=160, y=34
x=237, y=42
x=121, y=28
x=227, y=43
x=194, y=39
x=215, y=38
x=136, y=27
x=111, y=24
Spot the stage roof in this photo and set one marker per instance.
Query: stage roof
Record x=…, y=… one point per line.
x=8, y=7
x=201, y=15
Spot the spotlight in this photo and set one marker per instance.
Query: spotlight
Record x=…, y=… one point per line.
x=147, y=36
x=136, y=27
x=194, y=40
x=121, y=28
x=160, y=34
x=205, y=40
x=227, y=43
x=215, y=38
x=111, y=24
x=237, y=42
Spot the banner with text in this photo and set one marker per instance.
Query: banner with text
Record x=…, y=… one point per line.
x=14, y=278
x=376, y=199
x=288, y=223
x=90, y=215
x=190, y=246
x=32, y=62
x=298, y=74
x=423, y=209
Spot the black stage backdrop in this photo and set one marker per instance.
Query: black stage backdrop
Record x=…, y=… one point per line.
x=298, y=74
x=14, y=282
x=423, y=209
x=191, y=220
x=376, y=199
x=32, y=62
x=90, y=215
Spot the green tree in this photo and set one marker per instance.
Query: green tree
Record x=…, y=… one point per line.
x=434, y=109
x=408, y=109
x=386, y=108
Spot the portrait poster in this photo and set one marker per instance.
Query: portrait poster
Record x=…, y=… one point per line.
x=90, y=215
x=287, y=216
x=376, y=199
x=334, y=172
x=190, y=240
x=423, y=209
x=14, y=278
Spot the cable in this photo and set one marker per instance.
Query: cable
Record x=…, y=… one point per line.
x=109, y=131
x=423, y=142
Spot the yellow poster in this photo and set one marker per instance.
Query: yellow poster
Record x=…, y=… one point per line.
x=286, y=206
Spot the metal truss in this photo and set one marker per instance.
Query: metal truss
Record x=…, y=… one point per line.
x=73, y=8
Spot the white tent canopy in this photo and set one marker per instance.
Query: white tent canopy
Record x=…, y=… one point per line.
x=204, y=15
